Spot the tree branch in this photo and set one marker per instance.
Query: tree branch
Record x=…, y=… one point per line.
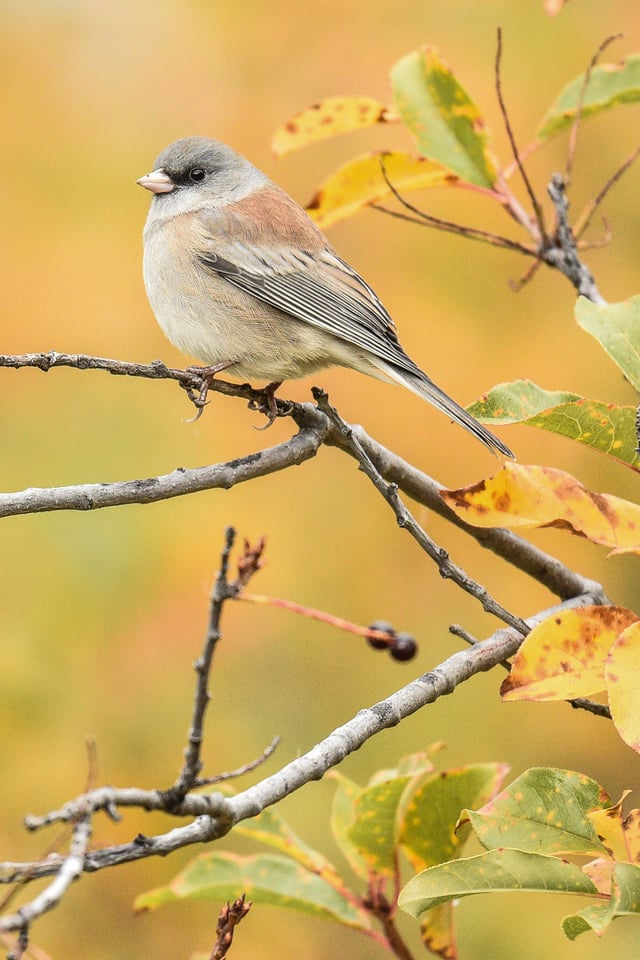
x=214, y=815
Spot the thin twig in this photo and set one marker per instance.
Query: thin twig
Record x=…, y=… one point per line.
x=537, y=209
x=242, y=770
x=585, y=217
x=447, y=568
x=228, y=919
x=311, y=613
x=188, y=776
x=447, y=226
x=573, y=136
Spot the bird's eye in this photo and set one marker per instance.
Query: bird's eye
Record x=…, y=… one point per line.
x=196, y=174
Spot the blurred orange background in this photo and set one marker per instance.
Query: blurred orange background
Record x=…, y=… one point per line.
x=101, y=615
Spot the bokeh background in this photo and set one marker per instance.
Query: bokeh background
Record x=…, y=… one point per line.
x=101, y=615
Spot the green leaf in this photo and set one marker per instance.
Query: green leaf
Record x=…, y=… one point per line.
x=595, y=917
x=624, y=902
x=379, y=812
x=544, y=811
x=364, y=821
x=498, y=870
x=517, y=402
x=265, y=879
x=616, y=326
x=609, y=85
x=269, y=828
x=343, y=816
x=432, y=812
x=605, y=427
x=440, y=114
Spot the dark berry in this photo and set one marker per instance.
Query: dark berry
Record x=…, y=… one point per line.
x=381, y=626
x=404, y=647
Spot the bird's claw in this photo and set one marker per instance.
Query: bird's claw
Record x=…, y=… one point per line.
x=269, y=407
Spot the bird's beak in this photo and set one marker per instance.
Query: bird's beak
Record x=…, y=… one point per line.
x=157, y=182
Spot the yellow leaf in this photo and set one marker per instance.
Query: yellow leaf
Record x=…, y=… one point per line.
x=534, y=496
x=622, y=673
x=564, y=656
x=329, y=118
x=360, y=182
x=612, y=831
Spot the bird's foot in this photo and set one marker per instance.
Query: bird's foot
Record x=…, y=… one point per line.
x=269, y=407
x=206, y=376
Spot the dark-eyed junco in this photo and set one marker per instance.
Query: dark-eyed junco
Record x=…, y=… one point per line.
x=241, y=278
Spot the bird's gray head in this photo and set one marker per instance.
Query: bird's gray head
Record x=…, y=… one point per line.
x=201, y=170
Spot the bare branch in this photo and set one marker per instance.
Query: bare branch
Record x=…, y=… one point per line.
x=563, y=254
x=214, y=815
x=188, y=776
x=448, y=569
x=447, y=226
x=315, y=430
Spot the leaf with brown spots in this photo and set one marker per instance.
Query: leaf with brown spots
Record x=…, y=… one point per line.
x=564, y=656
x=329, y=118
x=535, y=496
x=606, y=427
x=360, y=182
x=622, y=673
x=614, y=833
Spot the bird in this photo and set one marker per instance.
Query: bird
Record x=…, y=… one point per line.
x=241, y=278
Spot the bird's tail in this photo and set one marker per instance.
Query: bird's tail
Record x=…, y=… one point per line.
x=425, y=388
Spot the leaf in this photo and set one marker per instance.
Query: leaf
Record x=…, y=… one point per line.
x=534, y=496
x=356, y=810
x=269, y=828
x=379, y=810
x=622, y=674
x=609, y=85
x=360, y=182
x=564, y=656
x=432, y=812
x=616, y=326
x=444, y=120
x=329, y=118
x=517, y=401
x=605, y=427
x=594, y=917
x=620, y=838
x=544, y=811
x=265, y=879
x=498, y=870
x=438, y=933
x=624, y=901
x=343, y=815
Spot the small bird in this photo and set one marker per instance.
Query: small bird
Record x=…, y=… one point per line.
x=240, y=277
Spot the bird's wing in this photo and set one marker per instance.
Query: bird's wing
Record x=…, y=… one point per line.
x=305, y=278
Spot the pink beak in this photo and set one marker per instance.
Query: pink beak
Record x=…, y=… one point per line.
x=157, y=182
